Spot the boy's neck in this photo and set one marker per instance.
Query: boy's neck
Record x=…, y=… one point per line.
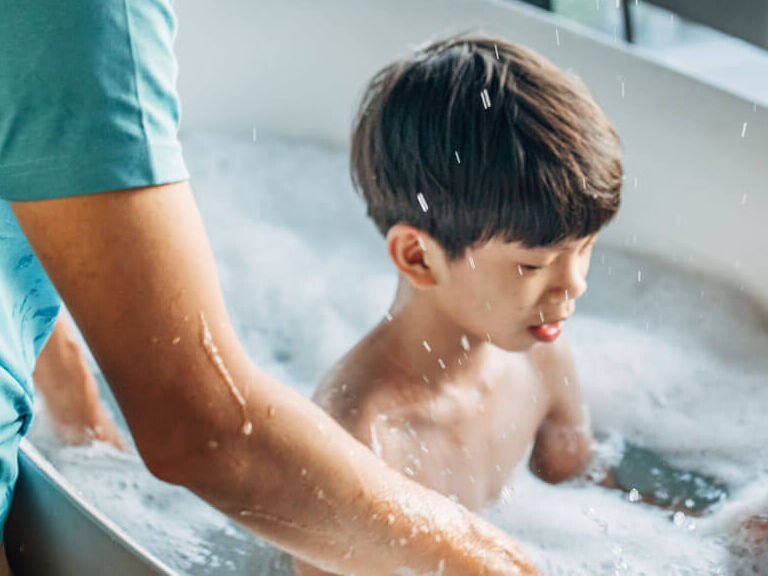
x=430, y=345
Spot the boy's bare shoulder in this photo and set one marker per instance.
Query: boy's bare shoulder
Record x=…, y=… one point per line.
x=363, y=386
x=552, y=362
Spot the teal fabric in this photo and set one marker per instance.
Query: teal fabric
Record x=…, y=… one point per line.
x=87, y=97
x=28, y=309
x=88, y=103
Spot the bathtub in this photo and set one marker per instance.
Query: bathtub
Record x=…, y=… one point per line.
x=695, y=159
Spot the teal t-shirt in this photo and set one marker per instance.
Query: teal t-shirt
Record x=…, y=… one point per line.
x=28, y=309
x=88, y=103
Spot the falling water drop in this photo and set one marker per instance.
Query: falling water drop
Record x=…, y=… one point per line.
x=422, y=202
x=465, y=342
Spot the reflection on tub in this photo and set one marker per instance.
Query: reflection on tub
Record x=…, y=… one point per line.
x=673, y=362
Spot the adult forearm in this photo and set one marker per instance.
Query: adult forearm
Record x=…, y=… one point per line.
x=301, y=482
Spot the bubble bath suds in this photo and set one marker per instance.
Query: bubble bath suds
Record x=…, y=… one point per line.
x=675, y=363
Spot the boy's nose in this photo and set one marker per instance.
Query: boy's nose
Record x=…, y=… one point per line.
x=570, y=286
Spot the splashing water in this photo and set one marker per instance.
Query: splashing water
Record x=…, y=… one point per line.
x=212, y=352
x=422, y=202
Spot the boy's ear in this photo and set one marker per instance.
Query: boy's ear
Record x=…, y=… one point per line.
x=416, y=255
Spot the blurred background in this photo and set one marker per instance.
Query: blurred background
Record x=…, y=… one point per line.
x=721, y=42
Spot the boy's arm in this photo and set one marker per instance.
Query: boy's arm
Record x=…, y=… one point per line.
x=136, y=272
x=71, y=393
x=564, y=440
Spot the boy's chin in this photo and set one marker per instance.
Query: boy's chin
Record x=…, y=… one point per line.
x=513, y=344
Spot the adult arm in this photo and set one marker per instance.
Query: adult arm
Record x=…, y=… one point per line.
x=137, y=274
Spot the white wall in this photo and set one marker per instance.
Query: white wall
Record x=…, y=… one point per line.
x=297, y=68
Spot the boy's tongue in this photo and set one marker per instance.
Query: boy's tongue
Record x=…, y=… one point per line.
x=546, y=332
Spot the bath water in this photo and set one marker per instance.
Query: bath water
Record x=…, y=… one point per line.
x=672, y=361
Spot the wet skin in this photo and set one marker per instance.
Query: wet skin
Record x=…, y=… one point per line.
x=455, y=384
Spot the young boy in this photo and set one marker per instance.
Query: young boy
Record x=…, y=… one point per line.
x=490, y=172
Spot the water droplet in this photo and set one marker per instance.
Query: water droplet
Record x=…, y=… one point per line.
x=639, y=276
x=426, y=345
x=557, y=36
x=212, y=444
x=213, y=355
x=422, y=244
x=422, y=202
x=441, y=363
x=496, y=49
x=634, y=495
x=388, y=316
x=270, y=412
x=744, y=130
x=465, y=342
x=519, y=270
x=678, y=518
x=458, y=158
x=471, y=262
x=485, y=98
x=176, y=340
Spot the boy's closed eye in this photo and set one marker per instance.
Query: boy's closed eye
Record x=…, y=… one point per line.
x=529, y=267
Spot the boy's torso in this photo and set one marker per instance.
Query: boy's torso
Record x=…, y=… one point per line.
x=462, y=438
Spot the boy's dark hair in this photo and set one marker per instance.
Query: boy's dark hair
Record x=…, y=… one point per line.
x=473, y=138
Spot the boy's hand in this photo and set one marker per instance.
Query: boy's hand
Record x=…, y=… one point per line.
x=71, y=393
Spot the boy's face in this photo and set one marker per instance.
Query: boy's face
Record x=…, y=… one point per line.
x=513, y=295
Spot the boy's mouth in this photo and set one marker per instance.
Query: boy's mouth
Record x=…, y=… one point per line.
x=547, y=332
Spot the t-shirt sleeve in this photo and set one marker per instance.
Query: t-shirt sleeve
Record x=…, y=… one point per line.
x=88, y=99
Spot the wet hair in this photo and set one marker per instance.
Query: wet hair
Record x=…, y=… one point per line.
x=473, y=138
